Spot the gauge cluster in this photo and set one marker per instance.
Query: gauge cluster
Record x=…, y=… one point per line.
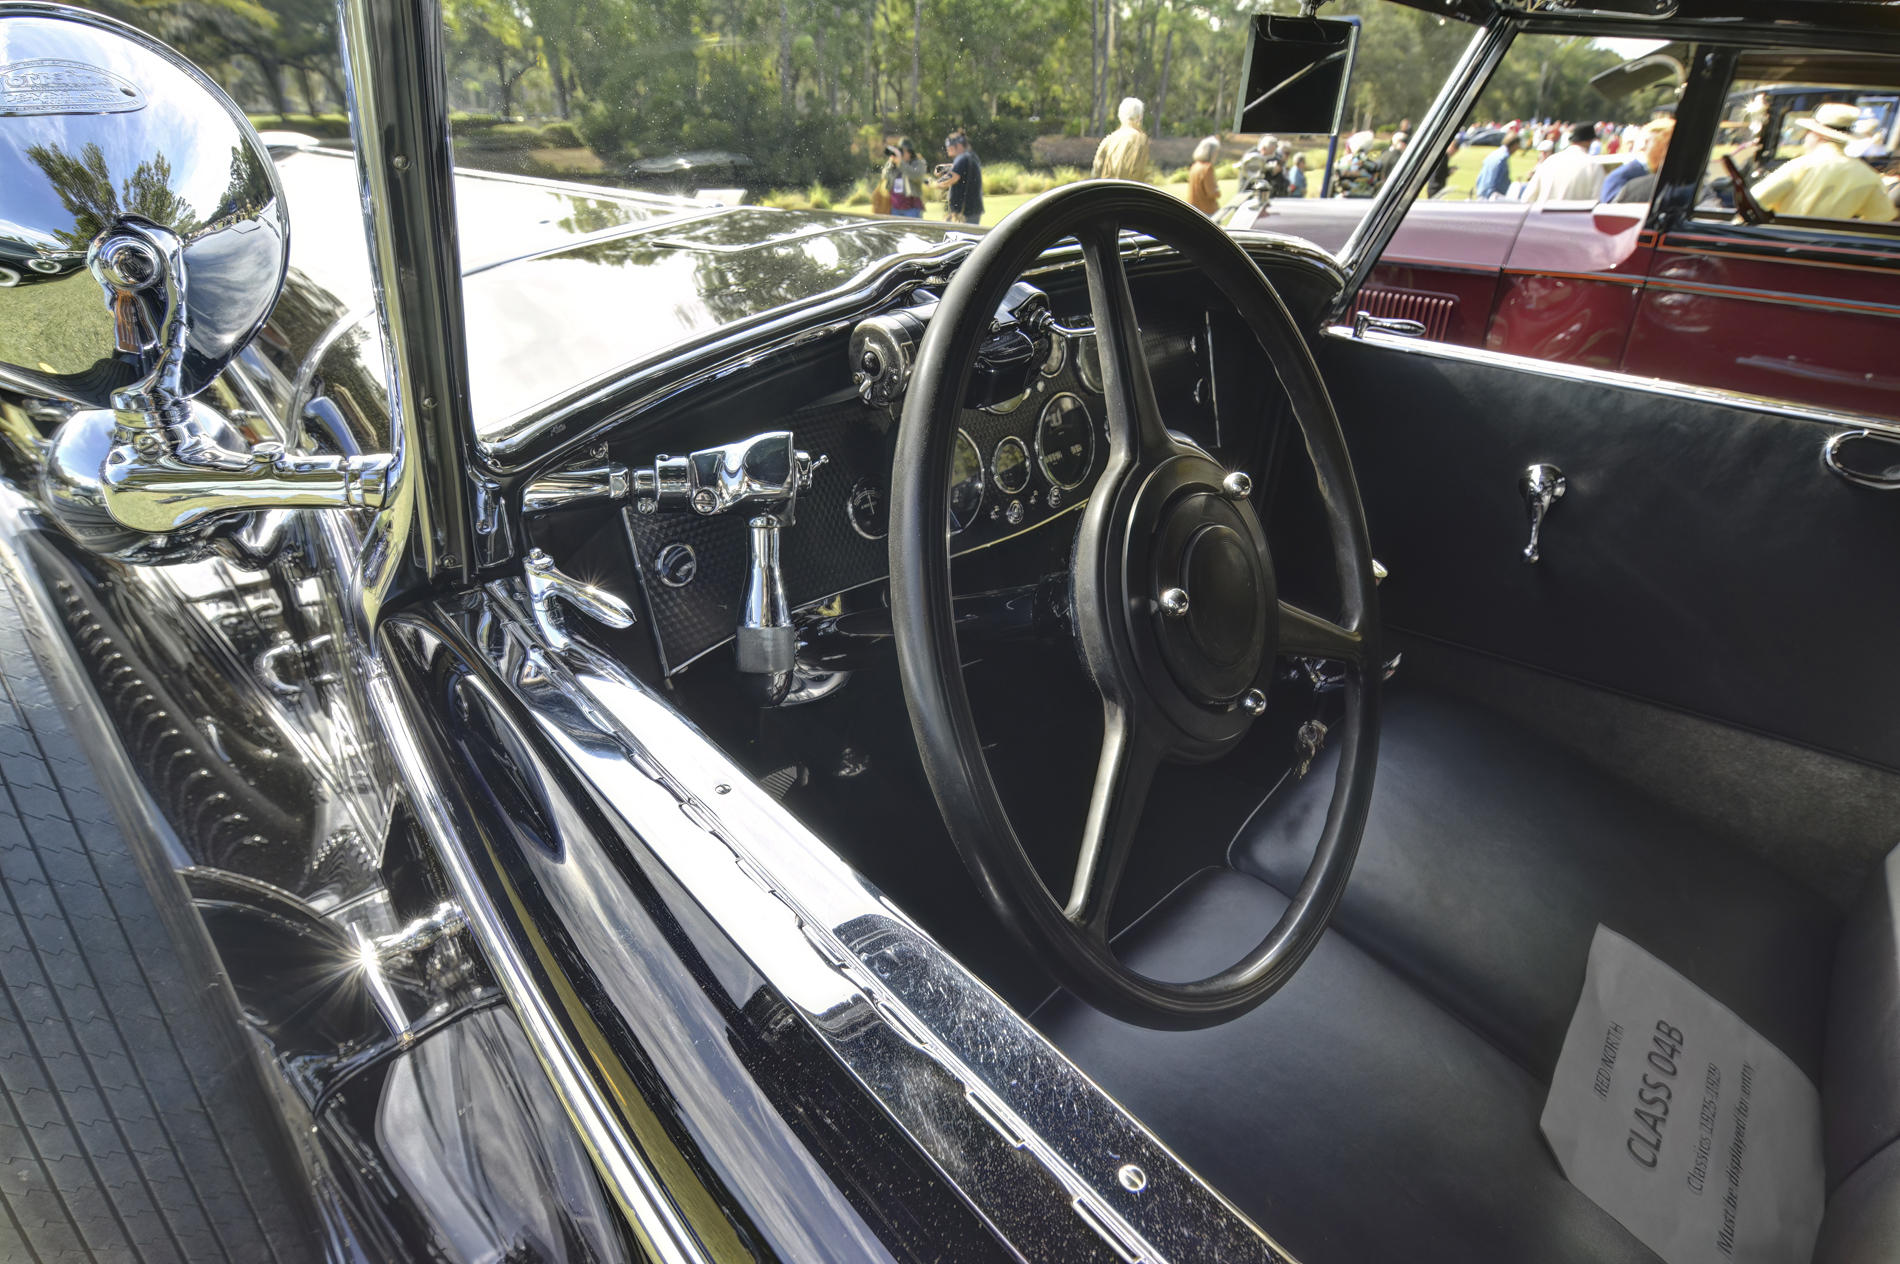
x=1028, y=459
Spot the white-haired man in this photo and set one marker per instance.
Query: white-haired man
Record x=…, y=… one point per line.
x=1123, y=153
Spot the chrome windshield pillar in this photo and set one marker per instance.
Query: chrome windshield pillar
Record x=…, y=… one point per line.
x=393, y=66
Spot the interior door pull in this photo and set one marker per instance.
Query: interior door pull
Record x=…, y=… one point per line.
x=1541, y=485
x=1886, y=479
x=1362, y=321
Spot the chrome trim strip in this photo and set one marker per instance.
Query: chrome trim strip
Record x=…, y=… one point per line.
x=1790, y=245
x=1777, y=298
x=1607, y=278
x=846, y=958
x=1626, y=381
x=606, y=234
x=599, y=192
x=1462, y=88
x=815, y=230
x=629, y=1178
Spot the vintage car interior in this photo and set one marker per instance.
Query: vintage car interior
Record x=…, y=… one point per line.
x=1161, y=655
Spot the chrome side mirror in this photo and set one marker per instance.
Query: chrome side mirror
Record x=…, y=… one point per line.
x=143, y=241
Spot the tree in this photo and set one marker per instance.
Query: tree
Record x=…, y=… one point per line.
x=498, y=34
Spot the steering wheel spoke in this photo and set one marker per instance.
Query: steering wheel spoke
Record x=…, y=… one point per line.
x=1122, y=779
x=1306, y=635
x=1134, y=414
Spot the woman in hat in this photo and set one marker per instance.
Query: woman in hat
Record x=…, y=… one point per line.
x=1824, y=183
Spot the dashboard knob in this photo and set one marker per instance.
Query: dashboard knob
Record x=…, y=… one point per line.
x=1174, y=602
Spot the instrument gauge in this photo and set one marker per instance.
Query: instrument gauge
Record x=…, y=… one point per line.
x=966, y=482
x=1009, y=464
x=869, y=508
x=1065, y=441
x=1058, y=356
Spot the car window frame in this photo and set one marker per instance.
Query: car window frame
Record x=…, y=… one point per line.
x=1713, y=53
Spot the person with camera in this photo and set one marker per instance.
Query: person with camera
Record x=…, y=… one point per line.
x=903, y=179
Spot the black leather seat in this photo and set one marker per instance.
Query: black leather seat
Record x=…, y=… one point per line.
x=1384, y=1105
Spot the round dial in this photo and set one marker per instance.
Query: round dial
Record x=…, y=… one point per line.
x=1010, y=465
x=1058, y=356
x=1088, y=363
x=1065, y=441
x=869, y=508
x=966, y=483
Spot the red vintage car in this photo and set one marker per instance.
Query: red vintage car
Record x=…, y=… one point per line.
x=1681, y=287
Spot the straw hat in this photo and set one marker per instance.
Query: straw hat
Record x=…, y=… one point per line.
x=1835, y=120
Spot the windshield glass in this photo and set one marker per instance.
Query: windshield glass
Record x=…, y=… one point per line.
x=590, y=132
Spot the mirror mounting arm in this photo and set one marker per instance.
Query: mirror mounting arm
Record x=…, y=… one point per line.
x=171, y=480
x=169, y=467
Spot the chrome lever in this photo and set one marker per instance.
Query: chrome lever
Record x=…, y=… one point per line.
x=609, y=480
x=1541, y=485
x=547, y=585
x=766, y=644
x=1363, y=321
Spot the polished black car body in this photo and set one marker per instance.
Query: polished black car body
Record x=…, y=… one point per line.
x=564, y=846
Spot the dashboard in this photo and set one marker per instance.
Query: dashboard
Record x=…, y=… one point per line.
x=1021, y=467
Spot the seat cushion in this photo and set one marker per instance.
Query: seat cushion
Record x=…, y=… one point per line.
x=1491, y=855
x=1862, y=1224
x=1860, y=1093
x=1351, y=1117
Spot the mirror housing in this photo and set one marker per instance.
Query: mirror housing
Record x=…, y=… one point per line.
x=143, y=242
x=1296, y=75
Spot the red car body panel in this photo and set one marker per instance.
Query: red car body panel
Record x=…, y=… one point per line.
x=1799, y=316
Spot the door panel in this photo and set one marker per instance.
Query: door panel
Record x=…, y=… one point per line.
x=1702, y=556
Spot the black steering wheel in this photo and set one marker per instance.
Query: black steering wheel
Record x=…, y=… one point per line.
x=1175, y=604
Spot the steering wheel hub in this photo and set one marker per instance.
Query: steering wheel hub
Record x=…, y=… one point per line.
x=1207, y=548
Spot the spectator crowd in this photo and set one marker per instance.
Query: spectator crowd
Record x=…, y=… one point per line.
x=1835, y=175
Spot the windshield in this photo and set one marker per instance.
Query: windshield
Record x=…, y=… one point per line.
x=590, y=132
x=842, y=105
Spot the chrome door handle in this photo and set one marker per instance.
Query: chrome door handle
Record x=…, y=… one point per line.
x=1541, y=485
x=1362, y=321
x=548, y=584
x=1887, y=480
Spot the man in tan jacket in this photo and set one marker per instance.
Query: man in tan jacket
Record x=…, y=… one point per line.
x=1123, y=154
